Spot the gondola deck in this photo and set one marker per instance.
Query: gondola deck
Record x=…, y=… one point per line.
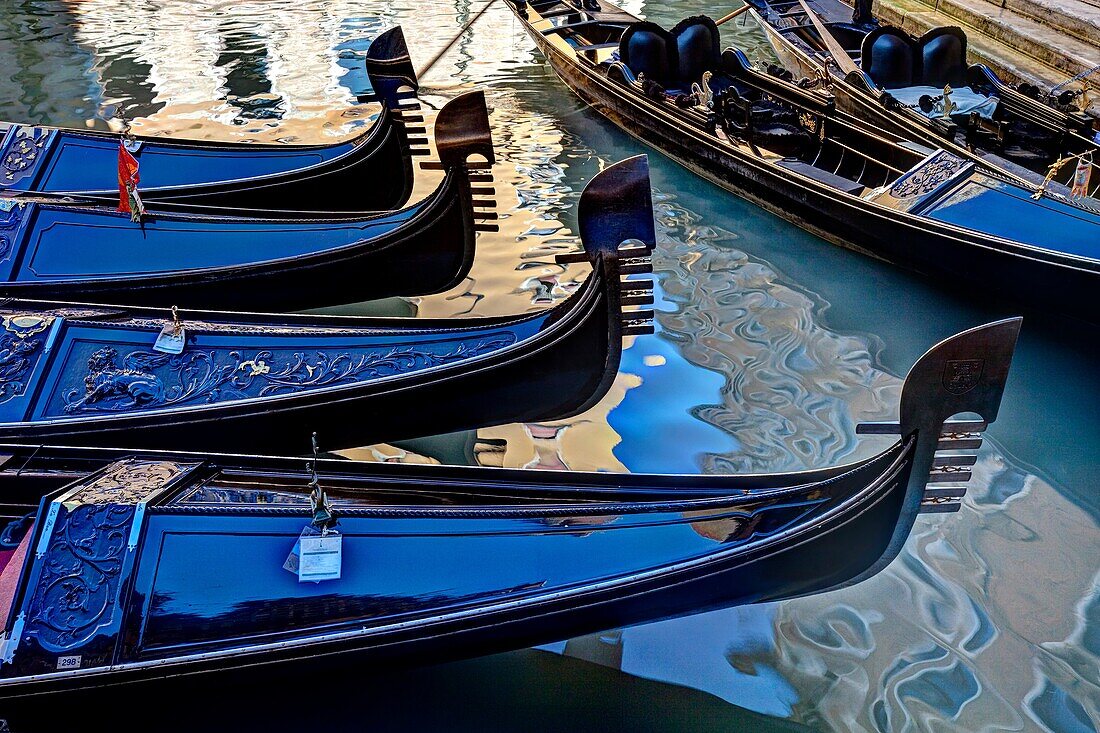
x=182, y=564
x=789, y=150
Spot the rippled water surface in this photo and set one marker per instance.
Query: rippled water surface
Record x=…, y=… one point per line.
x=771, y=346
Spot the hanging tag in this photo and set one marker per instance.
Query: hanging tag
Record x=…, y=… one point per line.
x=173, y=337
x=171, y=340
x=294, y=559
x=321, y=557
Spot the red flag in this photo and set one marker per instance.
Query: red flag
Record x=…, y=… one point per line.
x=128, y=179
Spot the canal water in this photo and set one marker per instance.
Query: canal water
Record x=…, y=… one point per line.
x=771, y=345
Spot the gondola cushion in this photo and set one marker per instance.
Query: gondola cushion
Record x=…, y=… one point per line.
x=888, y=59
x=698, y=48
x=647, y=48
x=943, y=57
x=895, y=60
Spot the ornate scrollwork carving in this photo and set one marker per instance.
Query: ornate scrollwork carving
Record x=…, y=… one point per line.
x=11, y=216
x=21, y=344
x=928, y=177
x=128, y=482
x=80, y=570
x=22, y=153
x=150, y=380
x=75, y=594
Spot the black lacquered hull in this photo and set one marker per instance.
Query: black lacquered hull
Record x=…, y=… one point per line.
x=1042, y=278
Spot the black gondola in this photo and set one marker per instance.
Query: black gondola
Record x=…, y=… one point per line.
x=882, y=74
x=57, y=247
x=324, y=178
x=140, y=567
x=91, y=375
x=788, y=149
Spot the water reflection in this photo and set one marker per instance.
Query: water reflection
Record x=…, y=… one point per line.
x=771, y=346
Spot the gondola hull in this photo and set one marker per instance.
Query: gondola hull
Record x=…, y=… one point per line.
x=58, y=248
x=996, y=266
x=441, y=562
x=799, y=49
x=106, y=375
x=236, y=175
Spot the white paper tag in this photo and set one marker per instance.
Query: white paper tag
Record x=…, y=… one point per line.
x=320, y=557
x=292, y=561
x=171, y=339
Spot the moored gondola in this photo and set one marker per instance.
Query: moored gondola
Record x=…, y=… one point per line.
x=896, y=81
x=139, y=567
x=65, y=248
x=239, y=175
x=789, y=150
x=107, y=375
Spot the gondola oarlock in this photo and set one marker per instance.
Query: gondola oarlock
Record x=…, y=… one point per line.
x=436, y=561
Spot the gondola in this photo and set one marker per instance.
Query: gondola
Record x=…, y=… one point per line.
x=137, y=567
x=882, y=74
x=106, y=375
x=60, y=247
x=790, y=151
x=238, y=175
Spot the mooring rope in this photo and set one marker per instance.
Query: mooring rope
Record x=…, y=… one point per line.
x=435, y=59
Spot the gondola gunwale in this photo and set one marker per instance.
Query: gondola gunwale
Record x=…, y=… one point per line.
x=495, y=612
x=427, y=209
x=563, y=318
x=632, y=108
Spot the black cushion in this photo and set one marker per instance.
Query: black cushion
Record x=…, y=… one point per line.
x=888, y=58
x=698, y=48
x=894, y=59
x=647, y=48
x=943, y=57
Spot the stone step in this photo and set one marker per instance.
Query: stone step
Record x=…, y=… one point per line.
x=1044, y=58
x=1077, y=18
x=1065, y=53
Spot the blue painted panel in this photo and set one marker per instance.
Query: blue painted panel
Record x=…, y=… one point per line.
x=226, y=579
x=67, y=243
x=102, y=371
x=90, y=163
x=1004, y=210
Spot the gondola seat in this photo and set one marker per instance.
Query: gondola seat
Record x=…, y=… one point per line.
x=674, y=59
x=782, y=138
x=895, y=60
x=647, y=48
x=698, y=48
